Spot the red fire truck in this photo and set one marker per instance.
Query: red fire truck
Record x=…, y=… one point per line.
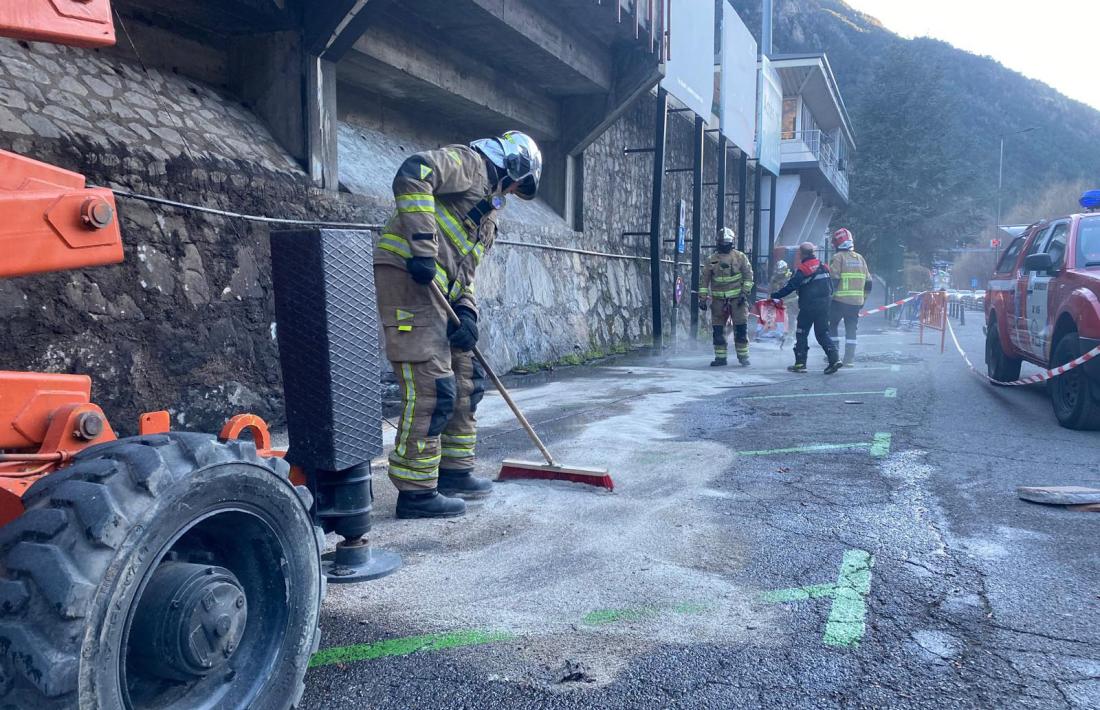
x=1043, y=306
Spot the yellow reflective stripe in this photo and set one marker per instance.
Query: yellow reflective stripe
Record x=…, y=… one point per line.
x=704, y=291
x=458, y=453
x=453, y=229
x=410, y=407
x=728, y=279
x=459, y=438
x=408, y=474
x=416, y=202
x=441, y=278
x=747, y=286
x=453, y=155
x=479, y=253
x=396, y=244
x=405, y=328
x=430, y=462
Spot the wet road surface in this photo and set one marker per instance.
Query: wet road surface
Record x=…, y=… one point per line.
x=774, y=540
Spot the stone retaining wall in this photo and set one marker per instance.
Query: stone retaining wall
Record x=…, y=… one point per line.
x=186, y=322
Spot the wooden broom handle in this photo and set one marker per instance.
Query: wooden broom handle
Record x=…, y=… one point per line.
x=453, y=317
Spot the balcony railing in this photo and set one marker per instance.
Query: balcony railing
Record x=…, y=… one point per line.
x=818, y=144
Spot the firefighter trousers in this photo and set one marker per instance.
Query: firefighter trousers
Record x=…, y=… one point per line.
x=848, y=313
x=724, y=310
x=817, y=318
x=440, y=387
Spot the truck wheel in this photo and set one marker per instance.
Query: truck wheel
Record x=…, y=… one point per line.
x=167, y=571
x=998, y=365
x=1073, y=394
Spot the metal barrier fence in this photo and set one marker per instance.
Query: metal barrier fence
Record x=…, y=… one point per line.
x=933, y=315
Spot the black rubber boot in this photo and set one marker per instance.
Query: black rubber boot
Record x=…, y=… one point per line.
x=428, y=504
x=463, y=484
x=743, y=360
x=797, y=367
x=834, y=363
x=718, y=362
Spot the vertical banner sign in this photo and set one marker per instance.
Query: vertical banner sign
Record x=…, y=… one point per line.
x=689, y=72
x=737, y=89
x=771, y=117
x=681, y=228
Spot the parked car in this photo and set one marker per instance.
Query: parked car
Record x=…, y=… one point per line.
x=1043, y=306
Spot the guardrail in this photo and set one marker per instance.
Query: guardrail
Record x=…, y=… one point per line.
x=794, y=142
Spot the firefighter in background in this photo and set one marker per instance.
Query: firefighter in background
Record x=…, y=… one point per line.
x=851, y=284
x=444, y=224
x=815, y=290
x=780, y=277
x=725, y=287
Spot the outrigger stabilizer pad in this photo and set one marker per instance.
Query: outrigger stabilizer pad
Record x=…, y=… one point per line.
x=356, y=561
x=511, y=470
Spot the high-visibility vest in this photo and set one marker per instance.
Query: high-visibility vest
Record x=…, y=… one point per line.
x=850, y=270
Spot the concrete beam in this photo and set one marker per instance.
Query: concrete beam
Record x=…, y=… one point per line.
x=321, y=138
x=412, y=68
x=334, y=27
x=585, y=118
x=555, y=38
x=266, y=72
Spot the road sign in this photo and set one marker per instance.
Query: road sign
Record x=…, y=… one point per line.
x=678, y=294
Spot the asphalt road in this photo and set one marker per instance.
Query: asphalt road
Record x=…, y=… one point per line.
x=885, y=561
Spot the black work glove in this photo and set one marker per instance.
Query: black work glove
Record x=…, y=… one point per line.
x=421, y=269
x=702, y=304
x=463, y=336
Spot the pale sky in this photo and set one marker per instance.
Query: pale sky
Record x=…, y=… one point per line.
x=1054, y=41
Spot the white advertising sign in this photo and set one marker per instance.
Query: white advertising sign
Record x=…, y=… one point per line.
x=770, y=124
x=689, y=72
x=738, y=101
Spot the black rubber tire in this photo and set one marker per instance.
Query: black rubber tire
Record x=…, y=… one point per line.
x=74, y=563
x=1074, y=394
x=998, y=365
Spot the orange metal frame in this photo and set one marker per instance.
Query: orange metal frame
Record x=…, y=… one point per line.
x=83, y=23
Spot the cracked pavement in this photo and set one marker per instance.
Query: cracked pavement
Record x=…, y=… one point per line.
x=654, y=596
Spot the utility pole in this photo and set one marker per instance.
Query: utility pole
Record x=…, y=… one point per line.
x=1001, y=169
x=660, y=130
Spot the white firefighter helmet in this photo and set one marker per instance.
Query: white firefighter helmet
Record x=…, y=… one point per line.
x=518, y=156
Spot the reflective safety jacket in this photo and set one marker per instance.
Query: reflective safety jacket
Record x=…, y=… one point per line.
x=851, y=279
x=445, y=211
x=779, y=280
x=726, y=276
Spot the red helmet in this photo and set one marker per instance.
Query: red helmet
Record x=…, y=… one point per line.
x=842, y=239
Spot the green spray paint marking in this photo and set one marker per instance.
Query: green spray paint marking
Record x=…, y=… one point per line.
x=879, y=447
x=847, y=623
x=601, y=617
x=406, y=646
x=890, y=393
x=885, y=393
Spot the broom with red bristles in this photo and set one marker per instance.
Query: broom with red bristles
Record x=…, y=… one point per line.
x=511, y=469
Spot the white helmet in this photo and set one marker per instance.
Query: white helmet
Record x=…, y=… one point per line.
x=518, y=156
x=781, y=266
x=728, y=236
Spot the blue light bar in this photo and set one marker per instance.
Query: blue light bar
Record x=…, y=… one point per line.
x=1091, y=200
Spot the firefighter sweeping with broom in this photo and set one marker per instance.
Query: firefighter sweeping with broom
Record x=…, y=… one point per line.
x=725, y=287
x=443, y=226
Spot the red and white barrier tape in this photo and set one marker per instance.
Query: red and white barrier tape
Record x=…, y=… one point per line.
x=888, y=306
x=1031, y=379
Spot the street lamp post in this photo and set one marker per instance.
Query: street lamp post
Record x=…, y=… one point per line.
x=1001, y=169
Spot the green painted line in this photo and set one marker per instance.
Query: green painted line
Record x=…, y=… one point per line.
x=601, y=617
x=805, y=449
x=847, y=621
x=406, y=646
x=798, y=594
x=885, y=393
x=890, y=393
x=881, y=445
